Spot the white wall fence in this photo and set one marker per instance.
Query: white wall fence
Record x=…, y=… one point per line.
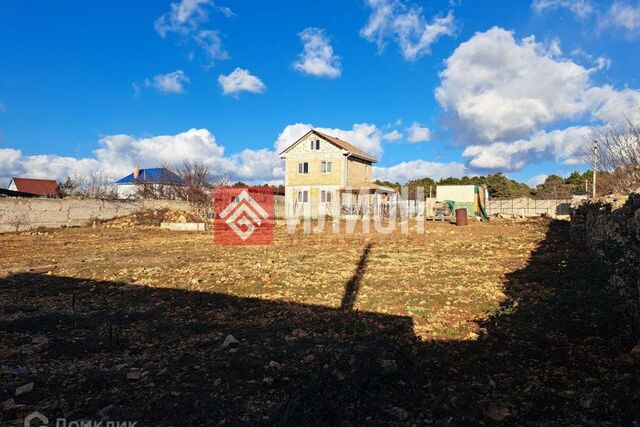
x=524, y=207
x=527, y=207
x=407, y=208
x=26, y=214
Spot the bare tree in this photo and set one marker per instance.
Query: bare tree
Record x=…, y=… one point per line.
x=619, y=154
x=196, y=181
x=19, y=220
x=94, y=186
x=222, y=179
x=198, y=184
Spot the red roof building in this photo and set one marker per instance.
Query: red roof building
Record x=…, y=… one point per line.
x=38, y=187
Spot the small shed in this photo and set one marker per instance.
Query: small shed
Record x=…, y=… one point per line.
x=472, y=197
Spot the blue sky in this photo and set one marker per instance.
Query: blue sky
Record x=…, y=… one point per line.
x=432, y=88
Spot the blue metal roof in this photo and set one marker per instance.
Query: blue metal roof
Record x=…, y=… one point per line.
x=152, y=176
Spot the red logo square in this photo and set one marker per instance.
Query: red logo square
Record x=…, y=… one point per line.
x=243, y=215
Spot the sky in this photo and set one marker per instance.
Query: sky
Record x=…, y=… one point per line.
x=431, y=88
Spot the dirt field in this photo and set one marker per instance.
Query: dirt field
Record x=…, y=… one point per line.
x=471, y=325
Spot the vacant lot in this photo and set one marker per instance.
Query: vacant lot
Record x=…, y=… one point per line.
x=486, y=323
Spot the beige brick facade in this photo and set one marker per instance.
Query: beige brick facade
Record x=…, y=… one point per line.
x=345, y=170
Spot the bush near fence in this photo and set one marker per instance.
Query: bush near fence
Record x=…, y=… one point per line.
x=610, y=228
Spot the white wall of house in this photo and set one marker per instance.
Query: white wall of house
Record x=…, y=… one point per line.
x=126, y=191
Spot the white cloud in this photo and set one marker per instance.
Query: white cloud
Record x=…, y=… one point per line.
x=598, y=63
x=211, y=42
x=118, y=154
x=14, y=163
x=614, y=106
x=165, y=83
x=503, y=96
x=365, y=136
x=566, y=145
x=392, y=136
x=415, y=169
x=240, y=80
x=623, y=15
x=226, y=11
x=580, y=8
x=258, y=165
x=405, y=24
x=184, y=17
x=536, y=180
x=317, y=57
x=495, y=87
x=418, y=133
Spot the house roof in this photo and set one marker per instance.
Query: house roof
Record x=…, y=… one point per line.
x=368, y=186
x=40, y=187
x=355, y=151
x=152, y=176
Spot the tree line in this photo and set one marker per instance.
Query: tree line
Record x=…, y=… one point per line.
x=500, y=186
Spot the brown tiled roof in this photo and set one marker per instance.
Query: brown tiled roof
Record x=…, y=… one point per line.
x=41, y=187
x=355, y=151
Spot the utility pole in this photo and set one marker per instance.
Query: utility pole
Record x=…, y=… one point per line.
x=595, y=162
x=586, y=185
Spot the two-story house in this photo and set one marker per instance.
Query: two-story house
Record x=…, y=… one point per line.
x=319, y=170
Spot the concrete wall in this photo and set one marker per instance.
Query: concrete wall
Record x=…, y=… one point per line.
x=53, y=213
x=457, y=193
x=527, y=207
x=609, y=227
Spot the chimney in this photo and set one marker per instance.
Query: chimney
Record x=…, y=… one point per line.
x=136, y=172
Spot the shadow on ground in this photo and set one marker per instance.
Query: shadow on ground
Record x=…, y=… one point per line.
x=553, y=354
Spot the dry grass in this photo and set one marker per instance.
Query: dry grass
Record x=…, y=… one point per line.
x=501, y=322
x=444, y=279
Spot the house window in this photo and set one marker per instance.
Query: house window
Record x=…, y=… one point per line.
x=303, y=196
x=315, y=145
x=325, y=196
x=325, y=167
x=303, y=168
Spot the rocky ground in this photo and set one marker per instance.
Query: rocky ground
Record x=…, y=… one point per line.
x=500, y=323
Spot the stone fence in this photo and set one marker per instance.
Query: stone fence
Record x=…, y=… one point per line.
x=18, y=214
x=610, y=228
x=24, y=214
